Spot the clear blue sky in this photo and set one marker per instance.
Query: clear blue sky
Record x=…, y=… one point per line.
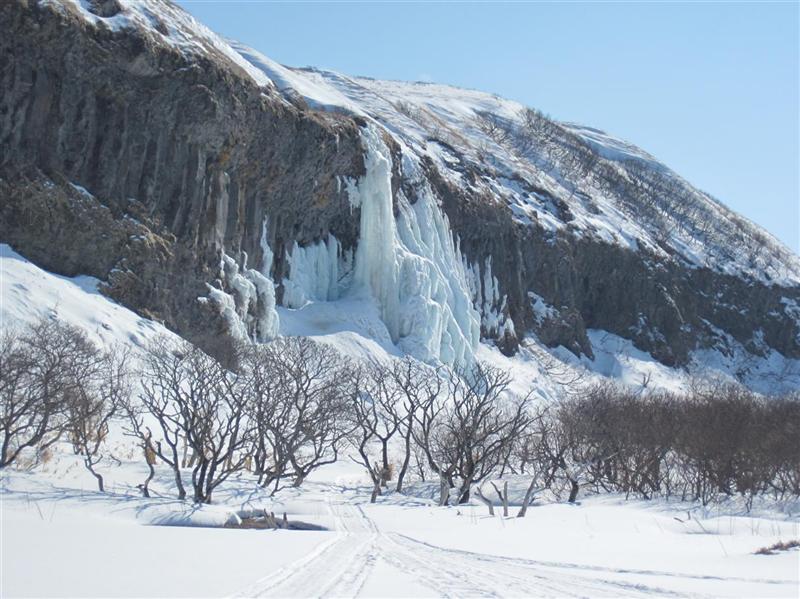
x=711, y=89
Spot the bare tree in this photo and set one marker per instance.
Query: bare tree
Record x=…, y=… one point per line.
x=483, y=421
x=302, y=414
x=100, y=385
x=35, y=367
x=530, y=457
x=266, y=407
x=161, y=381
x=415, y=383
x=427, y=420
x=468, y=433
x=384, y=409
x=376, y=422
x=194, y=398
x=135, y=427
x=493, y=126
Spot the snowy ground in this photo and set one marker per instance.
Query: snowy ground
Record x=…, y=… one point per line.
x=62, y=538
x=91, y=544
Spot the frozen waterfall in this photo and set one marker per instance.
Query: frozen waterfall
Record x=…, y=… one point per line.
x=246, y=300
x=316, y=273
x=410, y=265
x=407, y=263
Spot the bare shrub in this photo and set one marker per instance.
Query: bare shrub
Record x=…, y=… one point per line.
x=376, y=420
x=719, y=439
x=194, y=399
x=299, y=396
x=36, y=367
x=777, y=547
x=100, y=387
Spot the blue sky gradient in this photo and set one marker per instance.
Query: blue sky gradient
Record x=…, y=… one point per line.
x=711, y=89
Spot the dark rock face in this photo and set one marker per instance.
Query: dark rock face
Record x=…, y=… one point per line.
x=185, y=157
x=664, y=307
x=196, y=153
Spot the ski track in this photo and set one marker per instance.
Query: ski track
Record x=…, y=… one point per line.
x=337, y=568
x=341, y=567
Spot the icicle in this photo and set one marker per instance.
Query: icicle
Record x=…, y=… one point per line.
x=486, y=297
x=249, y=305
x=314, y=273
x=376, y=261
x=410, y=265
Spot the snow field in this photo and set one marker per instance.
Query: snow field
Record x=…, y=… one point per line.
x=119, y=544
x=404, y=545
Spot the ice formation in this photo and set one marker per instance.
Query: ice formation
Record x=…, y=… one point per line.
x=410, y=265
x=485, y=291
x=317, y=272
x=248, y=305
x=406, y=261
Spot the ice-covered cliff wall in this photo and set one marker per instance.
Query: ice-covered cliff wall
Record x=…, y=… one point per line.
x=410, y=264
x=405, y=260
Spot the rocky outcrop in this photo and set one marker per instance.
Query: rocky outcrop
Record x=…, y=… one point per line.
x=193, y=152
x=129, y=159
x=664, y=306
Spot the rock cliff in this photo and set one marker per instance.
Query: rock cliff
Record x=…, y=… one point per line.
x=190, y=174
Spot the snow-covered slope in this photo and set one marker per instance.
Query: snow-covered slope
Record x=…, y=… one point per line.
x=403, y=545
x=28, y=293
x=165, y=23
x=420, y=167
x=521, y=165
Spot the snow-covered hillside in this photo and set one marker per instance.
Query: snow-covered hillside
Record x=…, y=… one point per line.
x=520, y=166
x=28, y=293
x=403, y=545
x=564, y=204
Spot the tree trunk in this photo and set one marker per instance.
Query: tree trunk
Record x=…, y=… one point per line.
x=404, y=467
x=90, y=468
x=573, y=492
x=444, y=491
x=528, y=498
x=145, y=486
x=463, y=493
x=385, y=459
x=503, y=495
x=184, y=461
x=179, y=482
x=376, y=490
x=479, y=494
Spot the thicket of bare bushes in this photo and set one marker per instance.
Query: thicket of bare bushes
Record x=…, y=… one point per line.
x=293, y=405
x=282, y=414
x=299, y=397
x=55, y=384
x=716, y=440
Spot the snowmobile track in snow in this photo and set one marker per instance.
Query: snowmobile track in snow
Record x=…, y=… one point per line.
x=337, y=568
x=341, y=568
